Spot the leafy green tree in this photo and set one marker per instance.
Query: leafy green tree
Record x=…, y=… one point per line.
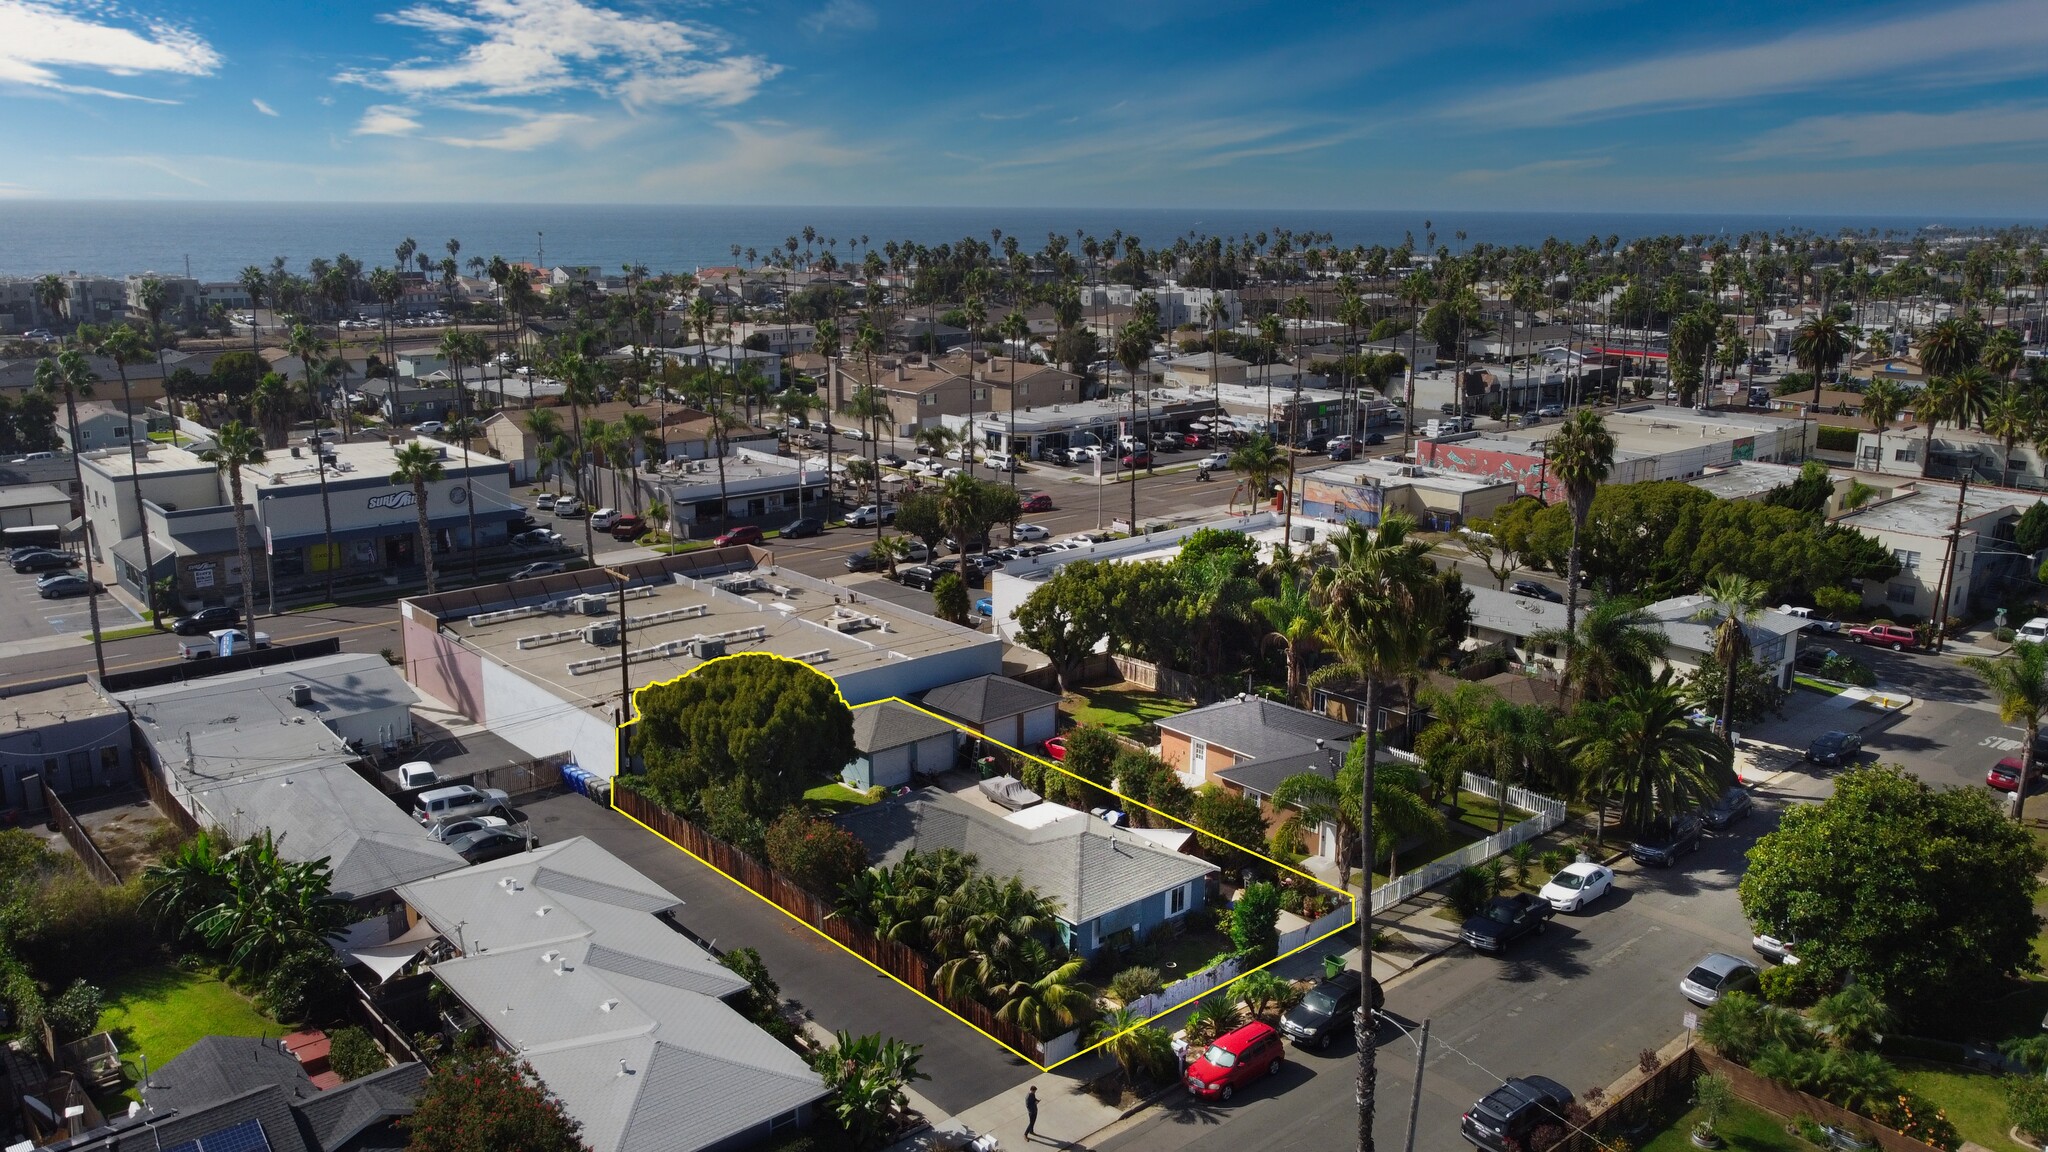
x=2019, y=682
x=949, y=599
x=765, y=727
x=1809, y=493
x=920, y=514
x=1925, y=937
x=1146, y=779
x=1755, y=694
x=1224, y=820
x=1254, y=922
x=818, y=854
x=480, y=1100
x=75, y=1012
x=866, y=1076
x=1066, y=618
x=353, y=1054
x=2030, y=534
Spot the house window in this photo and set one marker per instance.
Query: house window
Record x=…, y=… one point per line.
x=784, y=1121
x=1906, y=455
x=1198, y=757
x=1902, y=593
x=1908, y=561
x=1177, y=901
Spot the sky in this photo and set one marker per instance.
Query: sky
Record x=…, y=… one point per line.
x=1458, y=104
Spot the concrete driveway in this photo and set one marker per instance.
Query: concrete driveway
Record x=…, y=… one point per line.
x=838, y=989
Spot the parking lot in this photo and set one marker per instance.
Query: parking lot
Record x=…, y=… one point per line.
x=27, y=616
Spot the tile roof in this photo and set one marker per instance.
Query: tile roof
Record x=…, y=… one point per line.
x=1082, y=863
x=890, y=724
x=986, y=698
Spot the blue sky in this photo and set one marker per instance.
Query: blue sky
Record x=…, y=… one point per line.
x=1474, y=104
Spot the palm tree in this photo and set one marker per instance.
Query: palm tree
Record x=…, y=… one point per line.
x=976, y=317
x=71, y=376
x=1379, y=595
x=1048, y=1005
x=1641, y=744
x=420, y=465
x=1883, y=400
x=1015, y=331
x=256, y=285
x=2012, y=416
x=579, y=391
x=2019, y=682
x=1297, y=623
x=1399, y=809
x=1258, y=460
x=1579, y=456
x=1616, y=644
x=1819, y=345
x=869, y=404
x=1137, y=1050
x=1732, y=603
x=51, y=292
x=1134, y=350
x=1947, y=347
x=235, y=447
x=123, y=346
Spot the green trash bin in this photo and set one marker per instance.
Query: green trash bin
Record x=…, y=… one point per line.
x=1333, y=966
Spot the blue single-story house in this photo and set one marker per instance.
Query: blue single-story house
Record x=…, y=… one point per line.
x=1112, y=885
x=892, y=740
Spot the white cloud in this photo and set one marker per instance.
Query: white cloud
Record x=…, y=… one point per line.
x=1975, y=42
x=1533, y=169
x=262, y=107
x=514, y=48
x=386, y=120
x=840, y=16
x=42, y=39
x=528, y=134
x=1893, y=133
x=153, y=163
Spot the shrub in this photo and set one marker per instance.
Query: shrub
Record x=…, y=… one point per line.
x=1913, y=1116
x=1254, y=923
x=1647, y=1061
x=1791, y=985
x=2002, y=635
x=2026, y=1104
x=1835, y=438
x=817, y=854
x=1133, y=983
x=353, y=1055
x=1554, y=860
x=1472, y=887
x=1519, y=859
x=305, y=985
x=75, y=1012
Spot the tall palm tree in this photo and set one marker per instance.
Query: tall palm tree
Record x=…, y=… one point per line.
x=1399, y=810
x=579, y=391
x=869, y=403
x=1296, y=620
x=1732, y=603
x=51, y=292
x=1134, y=350
x=2012, y=416
x=420, y=465
x=271, y=404
x=1379, y=597
x=235, y=447
x=1615, y=644
x=1258, y=460
x=1641, y=743
x=976, y=317
x=124, y=346
x=2019, y=682
x=1948, y=346
x=71, y=376
x=1819, y=345
x=1579, y=457
x=1883, y=400
x=825, y=342
x=256, y=285
x=1015, y=330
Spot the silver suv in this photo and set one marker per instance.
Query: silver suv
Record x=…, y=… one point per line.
x=461, y=800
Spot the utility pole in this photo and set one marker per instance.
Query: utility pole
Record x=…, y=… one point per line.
x=625, y=675
x=1948, y=566
x=1415, y=1101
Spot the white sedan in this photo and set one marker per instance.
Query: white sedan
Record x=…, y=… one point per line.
x=1577, y=885
x=1029, y=532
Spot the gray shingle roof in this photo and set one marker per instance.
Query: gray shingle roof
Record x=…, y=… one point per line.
x=337, y=1116
x=889, y=724
x=217, y=1068
x=1082, y=863
x=986, y=698
x=1257, y=728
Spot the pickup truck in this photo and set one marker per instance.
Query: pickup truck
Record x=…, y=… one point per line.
x=210, y=646
x=1506, y=920
x=1893, y=636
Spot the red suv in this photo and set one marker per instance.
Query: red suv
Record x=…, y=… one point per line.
x=1893, y=636
x=1139, y=458
x=744, y=534
x=1037, y=502
x=1235, y=1060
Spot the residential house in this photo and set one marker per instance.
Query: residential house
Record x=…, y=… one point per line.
x=1773, y=637
x=406, y=402
x=1111, y=886
x=102, y=425
x=1916, y=524
x=918, y=334
x=1206, y=743
x=1000, y=708
x=928, y=390
x=893, y=742
x=733, y=360
x=563, y=956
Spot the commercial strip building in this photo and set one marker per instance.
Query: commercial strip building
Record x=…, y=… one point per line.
x=538, y=661
x=291, y=498
x=754, y=483
x=1651, y=443
x=1362, y=492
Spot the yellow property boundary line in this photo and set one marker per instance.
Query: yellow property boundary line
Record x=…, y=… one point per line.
x=919, y=992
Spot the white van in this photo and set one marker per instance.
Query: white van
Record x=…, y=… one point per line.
x=1000, y=461
x=461, y=800
x=2034, y=631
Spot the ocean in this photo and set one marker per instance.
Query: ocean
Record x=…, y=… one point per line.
x=214, y=241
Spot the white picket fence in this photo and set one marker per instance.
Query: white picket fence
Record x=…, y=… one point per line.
x=1546, y=814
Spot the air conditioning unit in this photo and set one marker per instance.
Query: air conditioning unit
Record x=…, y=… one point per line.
x=707, y=649
x=604, y=635
x=592, y=606
x=1304, y=534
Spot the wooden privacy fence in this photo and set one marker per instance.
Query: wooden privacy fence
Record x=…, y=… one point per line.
x=543, y=775
x=906, y=964
x=1776, y=1098
x=81, y=843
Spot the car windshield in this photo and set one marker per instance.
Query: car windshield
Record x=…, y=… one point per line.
x=1320, y=1002
x=1570, y=881
x=1505, y=913
x=1705, y=977
x=1220, y=1057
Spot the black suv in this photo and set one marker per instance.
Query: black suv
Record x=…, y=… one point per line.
x=207, y=619
x=1733, y=805
x=1538, y=591
x=1506, y=1116
x=923, y=577
x=1667, y=841
x=1326, y=1011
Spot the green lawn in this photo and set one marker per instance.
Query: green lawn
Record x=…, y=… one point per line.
x=1124, y=710
x=1192, y=953
x=1742, y=1129
x=1973, y=1100
x=128, y=633
x=161, y=1011
x=833, y=798
x=1817, y=686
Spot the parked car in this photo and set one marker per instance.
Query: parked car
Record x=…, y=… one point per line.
x=1236, y=1059
x=1009, y=792
x=448, y=829
x=801, y=527
x=1505, y=920
x=1667, y=840
x=1732, y=805
x=537, y=540
x=1373, y=439
x=985, y=607
x=1812, y=659
x=45, y=561
x=628, y=527
x=2005, y=775
x=922, y=577
x=207, y=619
x=542, y=568
x=1139, y=458
x=861, y=561
x=428, y=427
x=487, y=844
x=1551, y=410
x=545, y=502
x=1776, y=949
x=569, y=508
x=1896, y=637
x=864, y=516
x=1036, y=502
x=67, y=585
x=891, y=459
x=1030, y=532
x=1576, y=885
x=1533, y=590
x=1834, y=749
x=603, y=519
x=460, y=800
x=415, y=775
x=1717, y=973
x=1056, y=748
x=1504, y=1117
x=2034, y=631
x=744, y=534
x=234, y=639
x=1326, y=1010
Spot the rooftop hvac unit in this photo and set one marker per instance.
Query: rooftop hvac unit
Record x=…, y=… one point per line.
x=302, y=695
x=708, y=648
x=592, y=606
x=604, y=635
x=1304, y=533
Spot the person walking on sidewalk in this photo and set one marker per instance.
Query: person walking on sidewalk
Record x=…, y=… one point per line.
x=1031, y=1112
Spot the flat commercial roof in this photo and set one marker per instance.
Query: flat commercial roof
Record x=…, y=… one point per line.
x=1932, y=511
x=1746, y=479
x=1393, y=474
x=1638, y=432
x=536, y=627
x=34, y=496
